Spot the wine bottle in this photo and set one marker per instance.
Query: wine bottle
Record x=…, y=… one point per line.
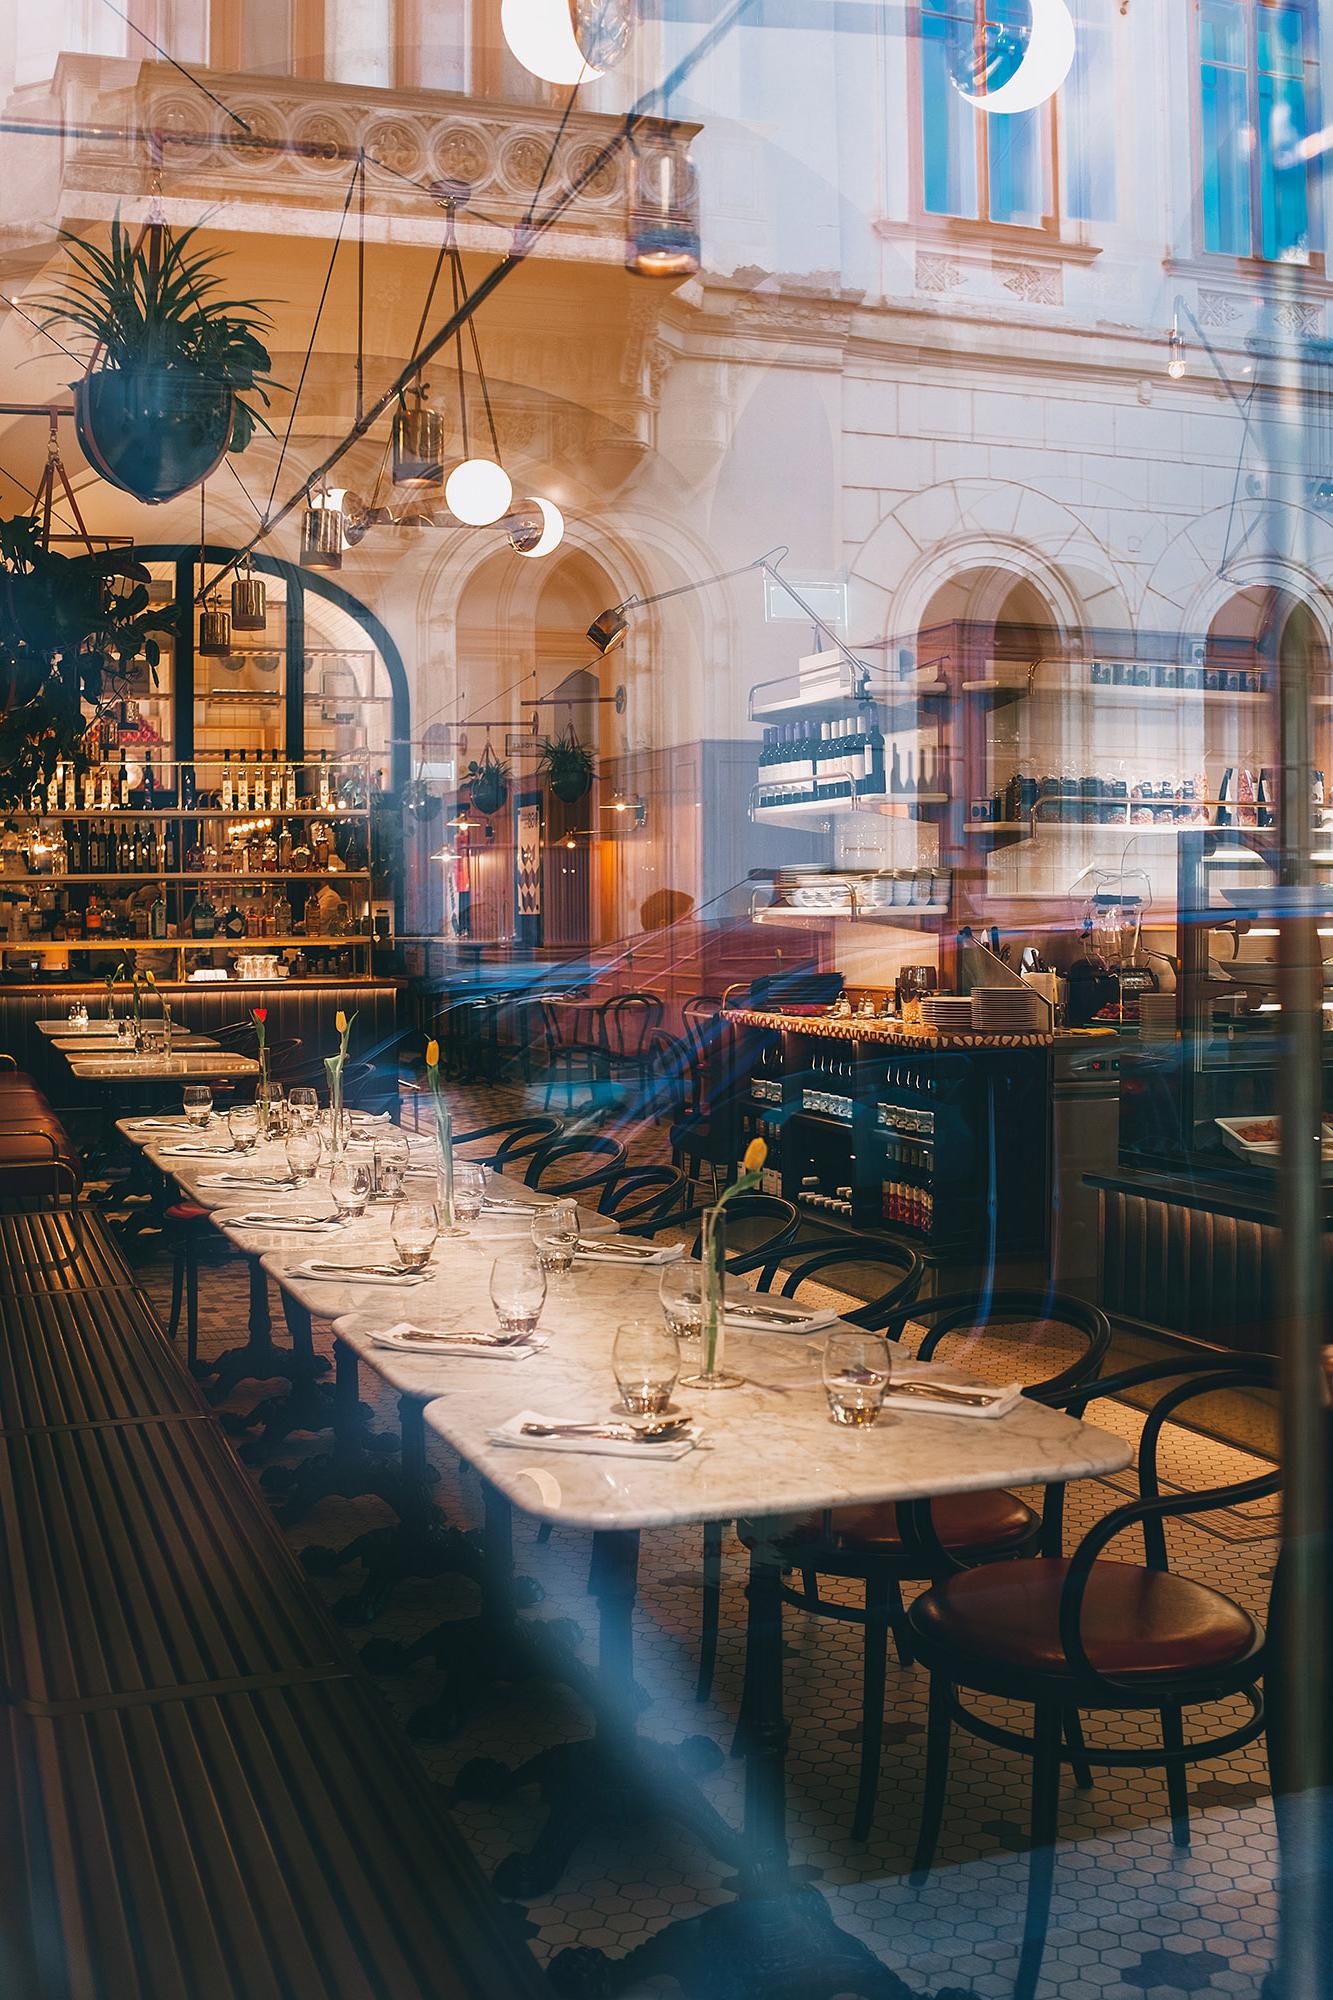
x=228, y=787
x=123, y=784
x=71, y=801
x=242, y=783
x=289, y=790
x=187, y=787
x=323, y=780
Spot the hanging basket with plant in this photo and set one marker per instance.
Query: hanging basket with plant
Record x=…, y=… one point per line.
x=567, y=765
x=487, y=782
x=163, y=401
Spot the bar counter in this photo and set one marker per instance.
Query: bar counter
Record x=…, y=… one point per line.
x=873, y=1028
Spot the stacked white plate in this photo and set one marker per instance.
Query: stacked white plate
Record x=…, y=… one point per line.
x=1008, y=1010
x=949, y=1013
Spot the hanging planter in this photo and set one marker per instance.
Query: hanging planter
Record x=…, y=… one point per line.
x=164, y=401
x=487, y=782
x=568, y=766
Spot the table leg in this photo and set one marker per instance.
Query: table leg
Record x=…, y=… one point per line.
x=258, y=1360
x=778, y=1940
x=616, y=1776
x=497, y=1648
x=362, y=1461
x=308, y=1404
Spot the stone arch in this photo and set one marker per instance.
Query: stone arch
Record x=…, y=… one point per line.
x=1226, y=550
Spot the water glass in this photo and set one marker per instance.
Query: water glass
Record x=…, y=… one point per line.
x=681, y=1291
x=243, y=1125
x=304, y=1147
x=349, y=1184
x=857, y=1369
x=645, y=1361
x=518, y=1290
x=555, y=1236
x=303, y=1104
x=198, y=1101
x=469, y=1189
x=392, y=1155
x=414, y=1227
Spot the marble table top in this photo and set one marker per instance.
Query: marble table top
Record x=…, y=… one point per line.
x=92, y=1045
x=195, y=1064
x=769, y=1448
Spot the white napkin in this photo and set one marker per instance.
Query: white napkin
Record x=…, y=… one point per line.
x=248, y=1181
x=613, y=1252
x=744, y=1316
x=157, y=1124
x=349, y=1275
x=406, y=1338
x=1007, y=1397
x=196, y=1152
x=511, y=1433
x=317, y=1225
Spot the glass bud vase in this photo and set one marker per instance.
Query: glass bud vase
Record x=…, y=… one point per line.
x=713, y=1254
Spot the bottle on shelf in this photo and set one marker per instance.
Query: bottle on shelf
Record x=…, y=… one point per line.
x=104, y=786
x=171, y=852
x=123, y=784
x=323, y=780
x=90, y=790
x=233, y=923
x=149, y=784
x=70, y=799
x=228, y=792
x=187, y=792
x=53, y=785
x=289, y=789
x=203, y=917
x=274, y=783
x=242, y=783
x=157, y=924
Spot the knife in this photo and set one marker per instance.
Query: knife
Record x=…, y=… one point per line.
x=938, y=1393
x=370, y=1270
x=764, y=1312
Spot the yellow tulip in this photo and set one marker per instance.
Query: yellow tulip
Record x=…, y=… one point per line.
x=755, y=1155
x=151, y=977
x=340, y=1022
x=432, y=1055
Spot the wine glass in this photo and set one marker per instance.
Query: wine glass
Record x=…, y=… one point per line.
x=304, y=1147
x=414, y=1227
x=518, y=1290
x=392, y=1154
x=681, y=1291
x=303, y=1104
x=555, y=1236
x=469, y=1189
x=349, y=1184
x=197, y=1099
x=243, y=1125
x=645, y=1360
x=857, y=1371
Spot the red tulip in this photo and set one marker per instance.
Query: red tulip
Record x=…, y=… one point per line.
x=260, y=1013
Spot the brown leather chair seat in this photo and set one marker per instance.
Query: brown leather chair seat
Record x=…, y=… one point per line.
x=962, y=1521
x=1135, y=1621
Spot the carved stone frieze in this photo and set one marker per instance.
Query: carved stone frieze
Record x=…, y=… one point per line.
x=1035, y=284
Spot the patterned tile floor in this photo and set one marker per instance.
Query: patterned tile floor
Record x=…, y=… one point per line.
x=1132, y=1919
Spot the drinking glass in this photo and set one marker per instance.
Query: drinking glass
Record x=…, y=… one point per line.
x=645, y=1361
x=349, y=1184
x=469, y=1189
x=391, y=1159
x=243, y=1125
x=518, y=1290
x=304, y=1147
x=681, y=1290
x=198, y=1101
x=857, y=1369
x=555, y=1236
x=414, y=1227
x=303, y=1103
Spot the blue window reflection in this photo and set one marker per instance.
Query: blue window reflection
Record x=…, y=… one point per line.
x=1258, y=84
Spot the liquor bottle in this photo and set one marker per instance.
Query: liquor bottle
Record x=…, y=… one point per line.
x=895, y=772
x=104, y=786
x=122, y=785
x=149, y=786
x=228, y=791
x=203, y=917
x=37, y=803
x=71, y=797
x=233, y=924
x=323, y=780
x=93, y=919
x=284, y=847
x=242, y=784
x=258, y=789
x=187, y=787
x=53, y=785
x=872, y=755
x=274, y=783
x=1224, y=798
x=289, y=790
x=90, y=790
x=171, y=852
x=282, y=915
x=157, y=925
x=76, y=851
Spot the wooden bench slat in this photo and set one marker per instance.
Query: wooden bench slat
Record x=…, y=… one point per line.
x=87, y=1358
x=45, y=1250
x=279, y=1845
x=137, y=1558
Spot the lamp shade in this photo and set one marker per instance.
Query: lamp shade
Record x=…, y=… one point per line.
x=249, y=601
x=418, y=444
x=322, y=534
x=478, y=492
x=552, y=532
x=662, y=222
x=608, y=629
x=214, y=629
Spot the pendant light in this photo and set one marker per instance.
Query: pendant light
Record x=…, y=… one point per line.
x=567, y=41
x=662, y=221
x=322, y=530
x=534, y=527
x=249, y=600
x=418, y=441
x=214, y=628
x=479, y=490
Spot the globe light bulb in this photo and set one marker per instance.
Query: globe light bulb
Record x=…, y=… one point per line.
x=567, y=41
x=1175, y=367
x=478, y=492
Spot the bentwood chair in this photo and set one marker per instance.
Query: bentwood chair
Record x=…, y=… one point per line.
x=867, y=1543
x=628, y=1023
x=1091, y=1633
x=759, y=1228
x=642, y=1194
x=562, y=1156
x=517, y=1137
